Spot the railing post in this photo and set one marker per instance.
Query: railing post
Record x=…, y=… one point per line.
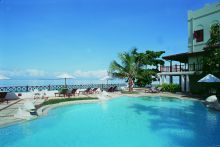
x=27, y=88
x=171, y=66
x=176, y=67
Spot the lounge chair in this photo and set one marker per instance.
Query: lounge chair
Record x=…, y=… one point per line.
x=95, y=90
x=110, y=89
x=88, y=91
x=2, y=97
x=153, y=90
x=74, y=92
x=63, y=92
x=44, y=94
x=36, y=94
x=114, y=88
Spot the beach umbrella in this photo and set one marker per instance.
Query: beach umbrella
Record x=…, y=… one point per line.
x=106, y=78
x=65, y=76
x=209, y=79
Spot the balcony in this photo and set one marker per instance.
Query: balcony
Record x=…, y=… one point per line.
x=181, y=68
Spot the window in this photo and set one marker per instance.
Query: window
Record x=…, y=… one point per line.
x=198, y=35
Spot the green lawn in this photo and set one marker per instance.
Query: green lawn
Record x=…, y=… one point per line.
x=55, y=101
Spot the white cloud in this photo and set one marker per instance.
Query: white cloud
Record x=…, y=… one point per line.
x=90, y=74
x=93, y=74
x=25, y=72
x=65, y=75
x=3, y=77
x=35, y=72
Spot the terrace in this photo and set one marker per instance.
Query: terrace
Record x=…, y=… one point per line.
x=183, y=65
x=181, y=68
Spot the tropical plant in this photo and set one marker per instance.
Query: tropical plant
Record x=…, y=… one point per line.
x=127, y=69
x=149, y=62
x=170, y=87
x=211, y=59
x=140, y=68
x=214, y=35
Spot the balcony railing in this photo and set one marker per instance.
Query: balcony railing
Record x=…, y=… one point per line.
x=181, y=68
x=56, y=87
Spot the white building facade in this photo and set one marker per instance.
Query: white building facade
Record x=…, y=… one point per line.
x=190, y=62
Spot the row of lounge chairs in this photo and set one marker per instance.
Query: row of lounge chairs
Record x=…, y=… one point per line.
x=153, y=90
x=97, y=90
x=67, y=93
x=112, y=89
x=64, y=93
x=91, y=91
x=74, y=92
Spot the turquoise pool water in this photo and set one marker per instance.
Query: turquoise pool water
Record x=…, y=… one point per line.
x=128, y=122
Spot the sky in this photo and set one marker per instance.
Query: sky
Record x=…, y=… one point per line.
x=45, y=38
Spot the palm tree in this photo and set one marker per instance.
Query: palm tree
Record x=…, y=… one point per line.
x=127, y=69
x=137, y=66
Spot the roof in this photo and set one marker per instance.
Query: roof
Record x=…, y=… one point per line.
x=182, y=57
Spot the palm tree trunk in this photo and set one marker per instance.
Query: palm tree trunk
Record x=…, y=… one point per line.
x=130, y=84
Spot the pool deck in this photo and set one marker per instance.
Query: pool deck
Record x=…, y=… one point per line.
x=7, y=111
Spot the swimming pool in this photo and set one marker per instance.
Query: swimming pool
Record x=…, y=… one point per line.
x=125, y=121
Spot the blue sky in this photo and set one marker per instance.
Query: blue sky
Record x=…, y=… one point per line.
x=43, y=38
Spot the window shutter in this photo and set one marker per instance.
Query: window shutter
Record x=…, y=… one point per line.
x=198, y=35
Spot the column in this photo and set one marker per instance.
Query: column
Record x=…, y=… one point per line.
x=187, y=83
x=180, y=80
x=161, y=79
x=171, y=79
x=183, y=83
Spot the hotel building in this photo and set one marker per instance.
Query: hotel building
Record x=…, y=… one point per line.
x=188, y=65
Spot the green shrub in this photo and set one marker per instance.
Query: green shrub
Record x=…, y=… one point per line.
x=128, y=92
x=170, y=87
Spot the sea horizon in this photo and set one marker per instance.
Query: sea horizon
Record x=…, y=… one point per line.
x=45, y=82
